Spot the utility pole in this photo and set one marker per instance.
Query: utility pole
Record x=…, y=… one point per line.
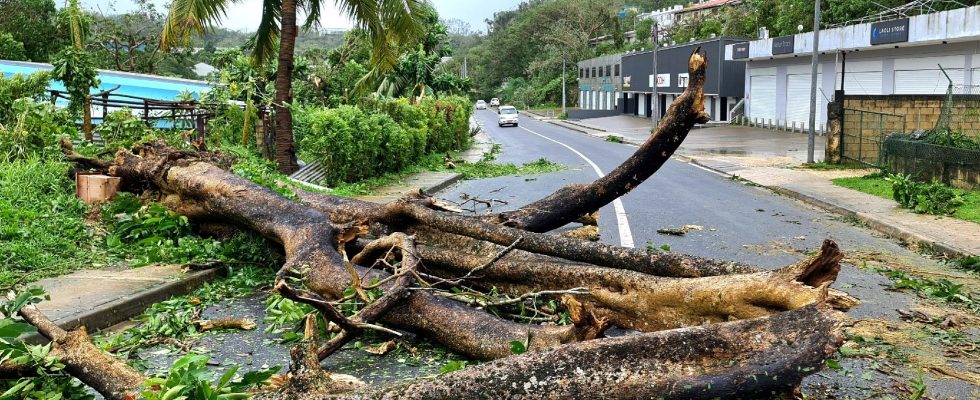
x=563, y=90
x=655, y=102
x=812, y=137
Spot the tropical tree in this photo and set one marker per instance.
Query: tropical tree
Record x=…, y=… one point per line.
x=390, y=24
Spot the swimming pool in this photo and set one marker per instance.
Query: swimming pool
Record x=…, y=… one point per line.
x=140, y=85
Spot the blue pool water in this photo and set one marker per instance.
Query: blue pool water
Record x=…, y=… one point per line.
x=148, y=86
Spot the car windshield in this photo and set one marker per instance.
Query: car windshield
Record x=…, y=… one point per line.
x=508, y=111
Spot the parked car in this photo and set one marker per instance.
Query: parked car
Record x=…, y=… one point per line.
x=481, y=105
x=508, y=116
x=494, y=102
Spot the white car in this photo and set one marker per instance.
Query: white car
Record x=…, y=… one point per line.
x=481, y=105
x=494, y=102
x=508, y=116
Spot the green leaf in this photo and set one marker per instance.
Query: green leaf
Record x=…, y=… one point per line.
x=13, y=329
x=452, y=366
x=834, y=364
x=517, y=347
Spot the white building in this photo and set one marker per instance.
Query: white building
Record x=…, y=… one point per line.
x=663, y=17
x=894, y=57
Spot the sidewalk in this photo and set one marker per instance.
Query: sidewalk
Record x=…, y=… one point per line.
x=767, y=158
x=98, y=299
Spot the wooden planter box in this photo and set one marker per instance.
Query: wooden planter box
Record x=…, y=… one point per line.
x=96, y=188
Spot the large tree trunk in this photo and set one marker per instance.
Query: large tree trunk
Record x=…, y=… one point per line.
x=285, y=148
x=713, y=328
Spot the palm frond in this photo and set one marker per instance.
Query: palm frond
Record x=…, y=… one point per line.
x=267, y=35
x=191, y=16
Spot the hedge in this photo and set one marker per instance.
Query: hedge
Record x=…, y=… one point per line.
x=380, y=136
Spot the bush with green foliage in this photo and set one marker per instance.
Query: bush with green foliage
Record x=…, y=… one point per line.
x=122, y=129
x=355, y=143
x=34, y=130
x=927, y=198
x=18, y=86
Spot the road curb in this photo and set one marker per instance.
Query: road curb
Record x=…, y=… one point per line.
x=868, y=219
x=125, y=308
x=438, y=186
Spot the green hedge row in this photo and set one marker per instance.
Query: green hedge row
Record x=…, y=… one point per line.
x=380, y=136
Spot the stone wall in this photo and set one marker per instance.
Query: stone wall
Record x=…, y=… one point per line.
x=922, y=111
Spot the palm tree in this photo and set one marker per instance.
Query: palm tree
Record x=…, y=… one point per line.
x=390, y=23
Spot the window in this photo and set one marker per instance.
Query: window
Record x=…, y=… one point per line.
x=600, y=72
x=581, y=73
x=593, y=72
x=616, y=70
x=608, y=70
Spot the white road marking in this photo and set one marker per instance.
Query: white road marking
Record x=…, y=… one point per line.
x=625, y=234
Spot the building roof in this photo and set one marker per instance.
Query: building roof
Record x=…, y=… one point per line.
x=708, y=4
x=957, y=25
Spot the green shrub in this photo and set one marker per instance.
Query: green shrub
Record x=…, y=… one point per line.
x=927, y=198
x=121, y=128
x=18, y=86
x=35, y=130
x=380, y=136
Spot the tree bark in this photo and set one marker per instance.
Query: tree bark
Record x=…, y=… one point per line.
x=285, y=148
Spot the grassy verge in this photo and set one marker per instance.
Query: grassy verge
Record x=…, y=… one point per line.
x=485, y=168
x=825, y=166
x=876, y=184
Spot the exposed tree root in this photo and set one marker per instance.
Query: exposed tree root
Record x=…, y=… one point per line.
x=714, y=328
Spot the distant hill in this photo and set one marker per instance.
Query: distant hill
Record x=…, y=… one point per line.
x=226, y=38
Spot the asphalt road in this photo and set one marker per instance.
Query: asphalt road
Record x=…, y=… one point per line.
x=741, y=222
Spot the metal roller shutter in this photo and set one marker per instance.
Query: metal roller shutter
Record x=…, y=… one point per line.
x=925, y=81
x=798, y=101
x=862, y=83
x=762, y=97
x=922, y=75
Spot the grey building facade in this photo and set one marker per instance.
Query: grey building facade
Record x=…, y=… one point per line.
x=600, y=83
x=724, y=87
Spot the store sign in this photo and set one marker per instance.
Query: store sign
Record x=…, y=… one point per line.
x=783, y=45
x=894, y=31
x=663, y=80
x=740, y=50
x=682, y=80
x=626, y=81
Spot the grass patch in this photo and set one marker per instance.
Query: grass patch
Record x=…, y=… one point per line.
x=876, y=184
x=488, y=169
x=871, y=184
x=485, y=168
x=614, y=139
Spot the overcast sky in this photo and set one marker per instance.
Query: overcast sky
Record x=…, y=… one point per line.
x=244, y=15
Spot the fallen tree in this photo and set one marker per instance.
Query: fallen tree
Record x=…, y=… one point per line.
x=709, y=328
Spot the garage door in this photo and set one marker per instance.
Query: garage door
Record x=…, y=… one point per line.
x=762, y=97
x=798, y=101
x=861, y=83
x=922, y=75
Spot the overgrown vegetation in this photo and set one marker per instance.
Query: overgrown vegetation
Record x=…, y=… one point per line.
x=932, y=198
